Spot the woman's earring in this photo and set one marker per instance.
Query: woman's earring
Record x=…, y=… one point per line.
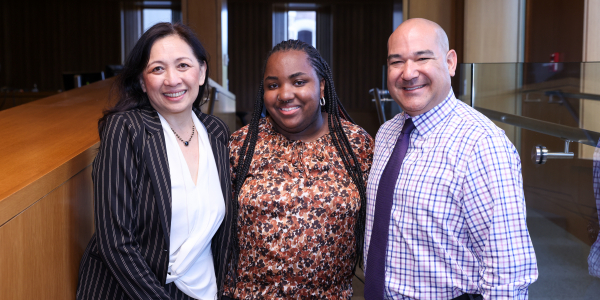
x=322, y=101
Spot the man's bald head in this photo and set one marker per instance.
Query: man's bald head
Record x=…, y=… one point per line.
x=424, y=27
x=420, y=65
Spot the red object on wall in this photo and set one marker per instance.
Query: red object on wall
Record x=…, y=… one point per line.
x=554, y=59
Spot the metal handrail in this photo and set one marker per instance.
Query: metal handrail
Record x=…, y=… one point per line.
x=380, y=96
x=569, y=133
x=573, y=134
x=563, y=100
x=573, y=95
x=384, y=95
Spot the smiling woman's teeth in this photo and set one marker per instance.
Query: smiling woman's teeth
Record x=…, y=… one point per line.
x=175, y=94
x=289, y=108
x=414, y=88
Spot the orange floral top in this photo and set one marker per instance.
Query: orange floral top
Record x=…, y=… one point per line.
x=297, y=214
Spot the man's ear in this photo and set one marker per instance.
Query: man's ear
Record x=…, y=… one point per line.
x=452, y=61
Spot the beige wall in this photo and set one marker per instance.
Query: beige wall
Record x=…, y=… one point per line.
x=449, y=14
x=438, y=11
x=494, y=34
x=493, y=31
x=590, y=83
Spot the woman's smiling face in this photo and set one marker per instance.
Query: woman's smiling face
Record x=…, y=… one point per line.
x=292, y=93
x=173, y=76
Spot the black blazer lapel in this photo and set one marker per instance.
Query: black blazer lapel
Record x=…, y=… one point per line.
x=155, y=156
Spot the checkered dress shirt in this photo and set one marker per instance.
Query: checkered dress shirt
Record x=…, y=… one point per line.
x=458, y=219
x=594, y=257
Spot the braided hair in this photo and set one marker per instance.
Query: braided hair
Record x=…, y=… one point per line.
x=336, y=112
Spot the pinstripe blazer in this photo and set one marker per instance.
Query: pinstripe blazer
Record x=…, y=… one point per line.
x=128, y=255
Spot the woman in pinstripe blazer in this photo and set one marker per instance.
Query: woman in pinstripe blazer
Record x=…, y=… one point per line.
x=137, y=213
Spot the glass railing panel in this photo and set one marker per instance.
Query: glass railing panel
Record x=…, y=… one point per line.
x=589, y=108
x=562, y=195
x=461, y=83
x=495, y=86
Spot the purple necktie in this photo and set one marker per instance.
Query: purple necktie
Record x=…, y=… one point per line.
x=375, y=277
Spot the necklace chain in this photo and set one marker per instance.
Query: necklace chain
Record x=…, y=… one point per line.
x=186, y=143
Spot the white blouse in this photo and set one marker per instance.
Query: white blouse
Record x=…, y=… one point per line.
x=197, y=211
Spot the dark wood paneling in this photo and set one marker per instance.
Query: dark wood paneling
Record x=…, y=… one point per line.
x=42, y=39
x=324, y=33
x=250, y=30
x=457, y=32
x=360, y=34
x=554, y=26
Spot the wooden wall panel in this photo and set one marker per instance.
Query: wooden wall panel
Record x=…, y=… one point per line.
x=204, y=17
x=43, y=39
x=492, y=31
x=360, y=35
x=554, y=26
x=42, y=246
x=590, y=76
x=249, y=42
x=448, y=14
x=46, y=200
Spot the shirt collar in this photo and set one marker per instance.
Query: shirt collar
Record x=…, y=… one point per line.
x=425, y=122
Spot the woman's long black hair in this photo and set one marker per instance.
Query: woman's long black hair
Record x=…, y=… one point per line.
x=335, y=112
x=127, y=88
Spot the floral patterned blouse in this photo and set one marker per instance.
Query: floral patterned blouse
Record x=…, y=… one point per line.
x=297, y=214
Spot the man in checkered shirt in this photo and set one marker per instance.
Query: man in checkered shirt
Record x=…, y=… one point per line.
x=457, y=226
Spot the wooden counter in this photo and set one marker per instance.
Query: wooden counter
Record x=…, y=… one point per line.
x=46, y=213
x=12, y=99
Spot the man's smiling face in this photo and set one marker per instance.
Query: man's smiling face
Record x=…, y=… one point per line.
x=419, y=66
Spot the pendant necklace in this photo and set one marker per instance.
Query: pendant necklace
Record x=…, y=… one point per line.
x=186, y=143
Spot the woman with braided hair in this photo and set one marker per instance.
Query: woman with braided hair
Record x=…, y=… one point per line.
x=299, y=180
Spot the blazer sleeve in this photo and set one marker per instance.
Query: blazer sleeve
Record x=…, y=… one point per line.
x=114, y=177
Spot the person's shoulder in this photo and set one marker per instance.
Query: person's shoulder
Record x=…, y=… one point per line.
x=388, y=128
x=240, y=134
x=469, y=120
x=132, y=119
x=123, y=127
x=356, y=133
x=477, y=132
x=214, y=125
